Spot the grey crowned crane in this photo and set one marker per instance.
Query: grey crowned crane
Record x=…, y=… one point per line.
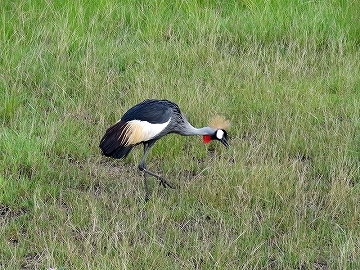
x=146, y=123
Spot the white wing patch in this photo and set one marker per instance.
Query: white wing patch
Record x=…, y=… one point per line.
x=139, y=131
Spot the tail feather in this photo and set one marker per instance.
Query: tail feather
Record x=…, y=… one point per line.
x=113, y=143
x=121, y=152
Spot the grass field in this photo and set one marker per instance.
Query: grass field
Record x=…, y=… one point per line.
x=285, y=195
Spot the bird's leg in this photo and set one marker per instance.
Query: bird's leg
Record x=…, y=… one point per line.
x=162, y=182
x=142, y=167
x=147, y=196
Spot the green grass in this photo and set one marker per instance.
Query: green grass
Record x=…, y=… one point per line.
x=285, y=195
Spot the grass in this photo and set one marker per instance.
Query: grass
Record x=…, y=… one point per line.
x=284, y=196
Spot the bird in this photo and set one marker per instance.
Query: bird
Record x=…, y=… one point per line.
x=147, y=122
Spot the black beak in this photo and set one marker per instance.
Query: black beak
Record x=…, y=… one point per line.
x=224, y=142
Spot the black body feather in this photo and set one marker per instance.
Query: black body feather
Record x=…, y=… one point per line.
x=151, y=110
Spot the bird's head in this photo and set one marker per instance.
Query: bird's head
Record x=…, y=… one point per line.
x=219, y=124
x=219, y=135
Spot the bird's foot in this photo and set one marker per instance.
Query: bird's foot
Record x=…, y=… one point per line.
x=162, y=182
x=165, y=183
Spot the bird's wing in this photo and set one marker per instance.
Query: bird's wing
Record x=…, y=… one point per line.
x=113, y=143
x=152, y=111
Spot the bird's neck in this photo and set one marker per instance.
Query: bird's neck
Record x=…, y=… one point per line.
x=190, y=130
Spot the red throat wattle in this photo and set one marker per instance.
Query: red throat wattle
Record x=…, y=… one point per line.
x=206, y=138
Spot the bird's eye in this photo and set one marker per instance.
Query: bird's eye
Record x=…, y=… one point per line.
x=219, y=134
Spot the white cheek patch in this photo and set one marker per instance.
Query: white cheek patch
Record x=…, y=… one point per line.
x=219, y=134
